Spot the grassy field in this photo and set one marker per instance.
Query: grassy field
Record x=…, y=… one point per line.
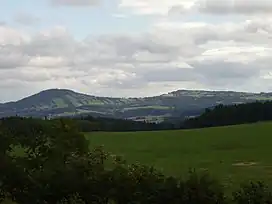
x=232, y=154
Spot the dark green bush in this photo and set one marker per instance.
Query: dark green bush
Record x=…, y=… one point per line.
x=253, y=193
x=202, y=188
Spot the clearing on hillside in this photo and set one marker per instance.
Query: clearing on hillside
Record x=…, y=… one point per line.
x=233, y=154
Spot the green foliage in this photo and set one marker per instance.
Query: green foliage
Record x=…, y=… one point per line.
x=48, y=145
x=222, y=115
x=201, y=188
x=59, y=168
x=73, y=199
x=253, y=193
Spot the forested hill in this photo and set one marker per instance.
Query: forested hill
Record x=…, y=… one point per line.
x=222, y=115
x=179, y=104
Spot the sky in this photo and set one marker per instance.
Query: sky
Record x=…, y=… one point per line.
x=134, y=48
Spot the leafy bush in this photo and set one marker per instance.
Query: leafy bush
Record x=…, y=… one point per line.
x=253, y=193
x=202, y=188
x=73, y=199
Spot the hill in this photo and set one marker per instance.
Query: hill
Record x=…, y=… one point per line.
x=182, y=103
x=233, y=153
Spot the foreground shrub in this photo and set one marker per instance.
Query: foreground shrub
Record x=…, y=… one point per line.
x=253, y=193
x=202, y=188
x=73, y=199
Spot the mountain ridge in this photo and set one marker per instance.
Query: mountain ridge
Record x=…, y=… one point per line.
x=132, y=97
x=180, y=103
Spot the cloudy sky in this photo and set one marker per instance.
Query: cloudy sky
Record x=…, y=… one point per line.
x=134, y=47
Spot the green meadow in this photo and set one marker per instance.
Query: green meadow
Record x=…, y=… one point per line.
x=233, y=154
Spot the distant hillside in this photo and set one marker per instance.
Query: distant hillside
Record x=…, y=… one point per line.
x=182, y=103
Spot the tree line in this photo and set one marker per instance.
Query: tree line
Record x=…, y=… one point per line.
x=49, y=162
x=89, y=124
x=222, y=115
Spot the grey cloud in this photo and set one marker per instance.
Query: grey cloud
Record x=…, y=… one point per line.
x=56, y=42
x=213, y=73
x=108, y=50
x=125, y=84
x=220, y=7
x=11, y=57
x=9, y=84
x=172, y=75
x=176, y=10
x=256, y=25
x=26, y=19
x=130, y=44
x=132, y=62
x=23, y=74
x=220, y=73
x=250, y=31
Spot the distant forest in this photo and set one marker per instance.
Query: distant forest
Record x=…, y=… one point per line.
x=89, y=123
x=222, y=115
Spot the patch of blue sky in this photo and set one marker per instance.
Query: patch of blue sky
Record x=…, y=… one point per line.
x=81, y=21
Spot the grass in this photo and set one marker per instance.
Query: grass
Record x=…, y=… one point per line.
x=233, y=154
x=60, y=103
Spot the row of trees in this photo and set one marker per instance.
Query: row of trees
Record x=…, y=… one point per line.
x=89, y=123
x=222, y=115
x=48, y=161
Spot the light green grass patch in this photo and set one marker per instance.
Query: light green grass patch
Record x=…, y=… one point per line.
x=60, y=103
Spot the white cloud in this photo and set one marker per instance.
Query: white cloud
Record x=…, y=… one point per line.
x=11, y=36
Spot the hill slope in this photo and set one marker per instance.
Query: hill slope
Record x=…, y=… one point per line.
x=61, y=102
x=234, y=153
